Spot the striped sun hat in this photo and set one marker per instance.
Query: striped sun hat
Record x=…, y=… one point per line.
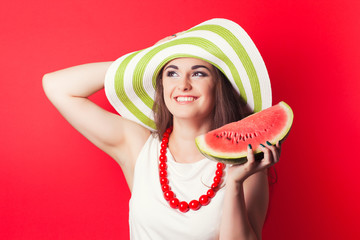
x=130, y=80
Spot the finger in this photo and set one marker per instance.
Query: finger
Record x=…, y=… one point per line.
x=274, y=152
x=166, y=39
x=250, y=154
x=278, y=146
x=180, y=33
x=250, y=165
x=268, y=157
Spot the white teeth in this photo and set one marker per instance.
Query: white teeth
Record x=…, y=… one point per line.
x=185, y=99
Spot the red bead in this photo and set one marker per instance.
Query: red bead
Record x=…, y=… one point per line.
x=163, y=173
x=163, y=166
x=217, y=179
x=220, y=165
x=183, y=207
x=210, y=193
x=214, y=185
x=194, y=205
x=163, y=158
x=204, y=200
x=164, y=180
x=168, y=195
x=165, y=187
x=174, y=202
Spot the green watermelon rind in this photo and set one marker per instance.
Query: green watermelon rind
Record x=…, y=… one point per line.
x=241, y=157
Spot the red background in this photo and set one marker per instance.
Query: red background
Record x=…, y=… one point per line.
x=54, y=184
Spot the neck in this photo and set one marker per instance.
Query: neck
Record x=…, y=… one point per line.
x=190, y=129
x=182, y=140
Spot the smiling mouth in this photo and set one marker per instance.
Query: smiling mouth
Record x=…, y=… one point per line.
x=185, y=99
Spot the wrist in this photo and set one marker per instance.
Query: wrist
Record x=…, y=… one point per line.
x=234, y=185
x=234, y=179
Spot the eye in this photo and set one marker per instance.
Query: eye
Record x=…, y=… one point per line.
x=200, y=74
x=171, y=74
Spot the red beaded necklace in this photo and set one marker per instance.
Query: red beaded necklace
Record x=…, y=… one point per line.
x=170, y=195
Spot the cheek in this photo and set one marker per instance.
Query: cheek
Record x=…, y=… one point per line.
x=166, y=91
x=168, y=88
x=166, y=95
x=210, y=91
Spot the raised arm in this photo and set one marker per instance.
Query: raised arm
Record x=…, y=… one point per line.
x=247, y=197
x=69, y=89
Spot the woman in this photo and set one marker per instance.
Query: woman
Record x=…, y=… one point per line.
x=167, y=95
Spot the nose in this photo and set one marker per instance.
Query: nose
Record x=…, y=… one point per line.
x=184, y=84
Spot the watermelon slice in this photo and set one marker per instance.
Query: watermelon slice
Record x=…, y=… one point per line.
x=229, y=143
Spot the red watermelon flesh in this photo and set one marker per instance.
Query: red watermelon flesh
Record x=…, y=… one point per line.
x=229, y=143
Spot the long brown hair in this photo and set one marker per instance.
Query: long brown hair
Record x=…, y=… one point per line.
x=229, y=106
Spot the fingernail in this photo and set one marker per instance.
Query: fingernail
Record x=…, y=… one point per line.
x=250, y=146
x=262, y=145
x=268, y=143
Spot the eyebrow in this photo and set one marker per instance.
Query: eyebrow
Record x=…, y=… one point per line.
x=192, y=68
x=199, y=66
x=171, y=66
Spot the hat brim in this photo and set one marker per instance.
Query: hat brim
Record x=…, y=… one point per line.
x=130, y=80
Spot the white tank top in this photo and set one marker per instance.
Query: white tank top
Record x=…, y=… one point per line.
x=150, y=215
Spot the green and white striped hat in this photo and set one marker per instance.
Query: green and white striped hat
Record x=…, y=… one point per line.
x=130, y=80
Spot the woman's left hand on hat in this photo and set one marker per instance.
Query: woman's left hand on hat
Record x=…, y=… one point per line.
x=169, y=37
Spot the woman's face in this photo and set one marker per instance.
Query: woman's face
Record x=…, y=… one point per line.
x=189, y=88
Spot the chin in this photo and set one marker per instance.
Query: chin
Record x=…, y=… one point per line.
x=186, y=115
x=189, y=112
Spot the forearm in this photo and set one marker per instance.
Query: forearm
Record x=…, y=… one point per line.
x=235, y=222
x=69, y=89
x=78, y=81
